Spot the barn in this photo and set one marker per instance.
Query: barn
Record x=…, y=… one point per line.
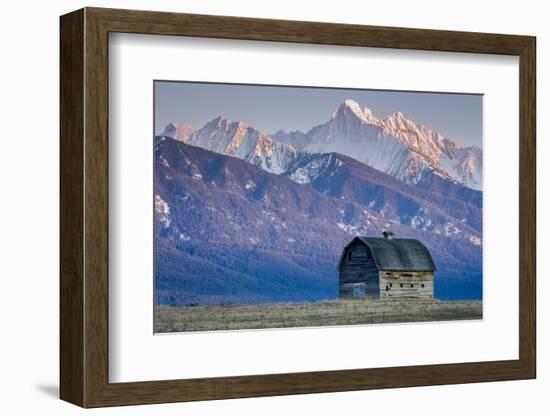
x=386, y=267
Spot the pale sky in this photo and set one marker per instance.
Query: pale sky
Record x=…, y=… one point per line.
x=270, y=108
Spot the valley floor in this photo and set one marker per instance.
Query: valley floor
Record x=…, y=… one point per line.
x=327, y=313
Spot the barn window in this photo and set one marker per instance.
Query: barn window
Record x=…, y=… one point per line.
x=401, y=285
x=387, y=288
x=422, y=285
x=391, y=284
x=412, y=285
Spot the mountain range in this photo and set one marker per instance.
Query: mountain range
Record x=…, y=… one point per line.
x=246, y=217
x=395, y=145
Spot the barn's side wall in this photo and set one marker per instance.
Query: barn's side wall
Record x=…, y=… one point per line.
x=406, y=284
x=360, y=269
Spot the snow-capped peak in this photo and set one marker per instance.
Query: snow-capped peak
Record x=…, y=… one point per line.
x=351, y=106
x=180, y=132
x=170, y=127
x=395, y=145
x=239, y=139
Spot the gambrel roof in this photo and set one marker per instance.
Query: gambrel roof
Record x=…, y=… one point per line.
x=396, y=254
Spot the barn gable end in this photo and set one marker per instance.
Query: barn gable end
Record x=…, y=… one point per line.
x=359, y=272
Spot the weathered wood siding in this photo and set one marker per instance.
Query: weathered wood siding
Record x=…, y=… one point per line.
x=406, y=284
x=359, y=275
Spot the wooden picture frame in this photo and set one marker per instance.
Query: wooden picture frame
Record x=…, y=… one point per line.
x=84, y=207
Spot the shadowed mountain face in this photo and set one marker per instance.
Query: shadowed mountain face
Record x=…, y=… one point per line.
x=228, y=231
x=344, y=178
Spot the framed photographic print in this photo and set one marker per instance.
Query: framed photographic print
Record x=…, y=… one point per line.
x=342, y=207
x=288, y=229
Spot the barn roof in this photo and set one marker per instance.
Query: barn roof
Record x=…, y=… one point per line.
x=399, y=254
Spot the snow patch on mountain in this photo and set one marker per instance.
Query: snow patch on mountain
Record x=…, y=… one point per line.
x=162, y=209
x=317, y=165
x=184, y=237
x=474, y=240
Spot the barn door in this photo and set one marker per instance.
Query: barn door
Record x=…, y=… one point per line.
x=359, y=290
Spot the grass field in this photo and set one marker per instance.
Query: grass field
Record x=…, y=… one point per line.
x=338, y=312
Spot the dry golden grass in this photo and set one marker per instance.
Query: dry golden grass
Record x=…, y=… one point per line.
x=329, y=313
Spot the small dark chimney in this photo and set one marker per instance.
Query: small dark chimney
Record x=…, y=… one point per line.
x=388, y=235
